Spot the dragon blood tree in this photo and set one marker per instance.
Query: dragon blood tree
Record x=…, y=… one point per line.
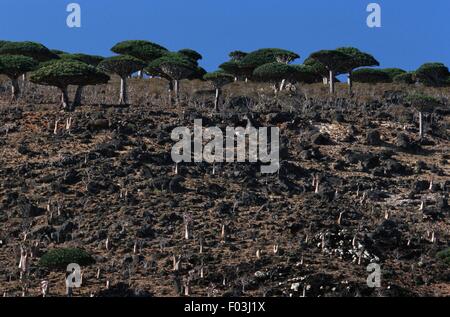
x=36, y=51
x=275, y=74
x=218, y=80
x=123, y=66
x=63, y=73
x=144, y=50
x=423, y=104
x=174, y=67
x=333, y=61
x=92, y=60
x=266, y=56
x=13, y=66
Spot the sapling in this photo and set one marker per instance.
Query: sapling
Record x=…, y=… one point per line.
x=55, y=131
x=107, y=244
x=275, y=249
x=187, y=225
x=44, y=288
x=187, y=286
x=201, y=245
x=340, y=218
x=223, y=233
x=176, y=263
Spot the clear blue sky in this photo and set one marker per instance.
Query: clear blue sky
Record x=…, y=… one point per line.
x=413, y=31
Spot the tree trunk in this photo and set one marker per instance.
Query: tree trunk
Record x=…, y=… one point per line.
x=420, y=125
x=216, y=100
x=123, y=91
x=15, y=89
x=77, y=99
x=65, y=99
x=331, y=82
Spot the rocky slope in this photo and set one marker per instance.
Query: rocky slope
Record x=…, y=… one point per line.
x=111, y=178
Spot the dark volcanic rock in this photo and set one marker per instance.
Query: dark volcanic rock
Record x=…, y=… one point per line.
x=28, y=209
x=373, y=138
x=321, y=139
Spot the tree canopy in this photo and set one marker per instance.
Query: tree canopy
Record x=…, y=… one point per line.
x=31, y=49
x=393, y=72
x=433, y=74
x=370, y=75
x=174, y=66
x=268, y=55
x=191, y=54
x=15, y=65
x=422, y=102
x=237, y=55
x=332, y=60
x=62, y=73
x=305, y=74
x=405, y=78
x=219, y=78
x=122, y=65
x=143, y=50
x=275, y=72
x=92, y=60
x=357, y=59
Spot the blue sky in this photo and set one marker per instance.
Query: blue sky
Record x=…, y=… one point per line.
x=412, y=32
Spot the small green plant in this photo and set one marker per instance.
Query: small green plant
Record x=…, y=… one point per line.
x=60, y=258
x=444, y=255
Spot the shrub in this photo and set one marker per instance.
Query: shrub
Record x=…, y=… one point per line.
x=60, y=258
x=433, y=74
x=394, y=72
x=371, y=76
x=405, y=78
x=444, y=256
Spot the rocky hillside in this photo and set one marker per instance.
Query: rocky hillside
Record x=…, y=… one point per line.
x=355, y=186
